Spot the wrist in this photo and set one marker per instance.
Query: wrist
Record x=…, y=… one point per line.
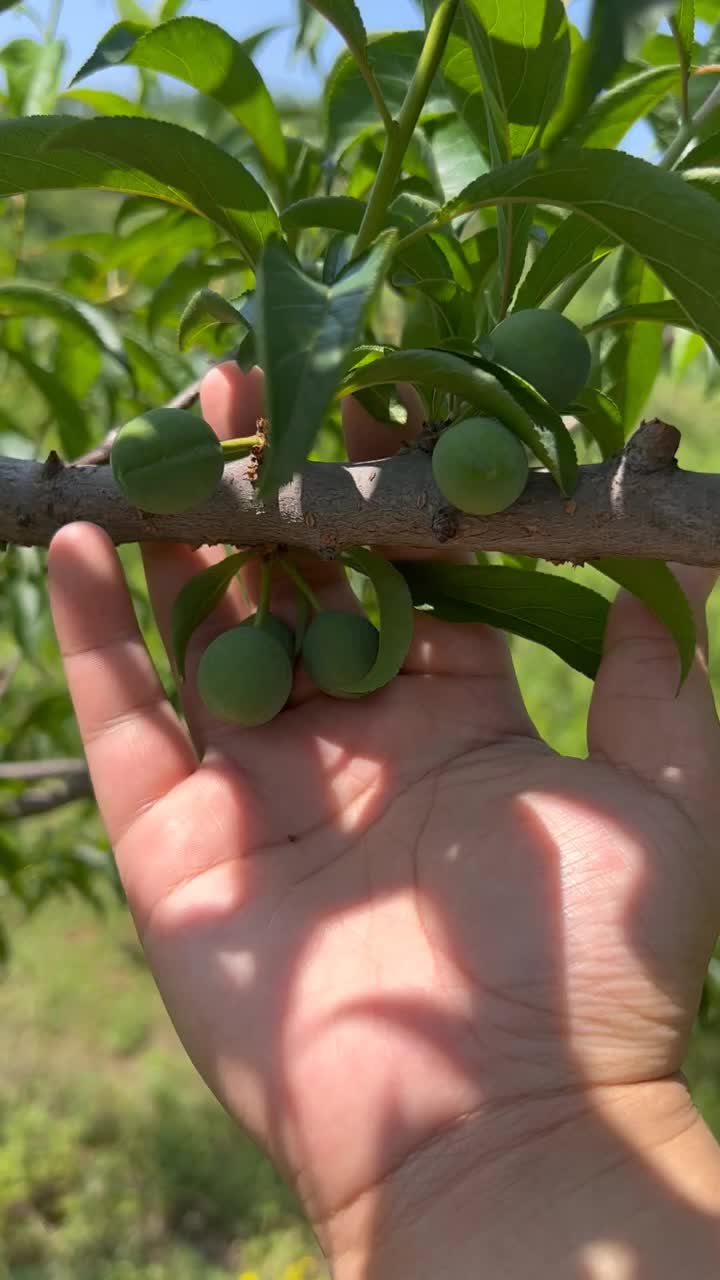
x=610, y=1185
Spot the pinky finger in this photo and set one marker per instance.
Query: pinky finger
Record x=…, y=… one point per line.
x=136, y=748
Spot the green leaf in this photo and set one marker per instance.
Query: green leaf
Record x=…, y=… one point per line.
x=395, y=616
x=306, y=332
x=113, y=48
x=32, y=73
x=599, y=59
x=574, y=245
x=666, y=311
x=614, y=114
x=653, y=583
x=197, y=599
x=8, y=4
x=685, y=19
x=349, y=109
x=346, y=18
x=522, y=51
x=149, y=372
x=448, y=372
x=602, y=418
x=332, y=213
x=562, y=615
x=30, y=298
x=464, y=88
x=140, y=157
x=203, y=55
x=204, y=311
x=456, y=155
x=183, y=281
x=630, y=354
x=673, y=227
x=105, y=103
x=69, y=415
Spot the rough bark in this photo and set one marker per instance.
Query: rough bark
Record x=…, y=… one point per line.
x=638, y=503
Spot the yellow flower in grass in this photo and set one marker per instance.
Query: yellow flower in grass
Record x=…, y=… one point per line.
x=304, y=1269
x=248, y=1275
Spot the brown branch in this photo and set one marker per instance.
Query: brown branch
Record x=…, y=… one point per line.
x=32, y=770
x=638, y=503
x=37, y=800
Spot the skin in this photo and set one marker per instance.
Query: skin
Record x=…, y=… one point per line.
x=445, y=977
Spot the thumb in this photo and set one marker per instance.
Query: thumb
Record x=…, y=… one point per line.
x=638, y=720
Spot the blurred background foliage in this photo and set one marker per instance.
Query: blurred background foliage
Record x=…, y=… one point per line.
x=115, y=1163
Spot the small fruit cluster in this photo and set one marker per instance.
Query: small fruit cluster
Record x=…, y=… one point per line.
x=246, y=675
x=479, y=465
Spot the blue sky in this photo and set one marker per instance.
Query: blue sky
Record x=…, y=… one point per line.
x=82, y=23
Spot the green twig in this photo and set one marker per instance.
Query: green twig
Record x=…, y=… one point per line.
x=264, y=599
x=688, y=130
x=400, y=131
x=303, y=587
x=239, y=447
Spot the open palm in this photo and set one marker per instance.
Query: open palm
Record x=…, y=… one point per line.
x=372, y=919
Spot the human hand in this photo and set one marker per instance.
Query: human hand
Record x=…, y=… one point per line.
x=392, y=931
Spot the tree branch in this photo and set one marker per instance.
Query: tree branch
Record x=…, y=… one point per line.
x=33, y=770
x=36, y=800
x=638, y=503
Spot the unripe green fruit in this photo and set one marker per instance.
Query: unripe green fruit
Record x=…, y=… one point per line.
x=245, y=676
x=338, y=650
x=547, y=350
x=275, y=627
x=167, y=460
x=480, y=466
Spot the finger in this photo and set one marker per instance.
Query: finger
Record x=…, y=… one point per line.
x=637, y=717
x=137, y=750
x=231, y=401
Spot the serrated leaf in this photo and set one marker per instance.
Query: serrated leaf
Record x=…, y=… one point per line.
x=396, y=618
x=205, y=310
x=69, y=415
x=306, y=332
x=197, y=599
x=574, y=245
x=654, y=583
x=630, y=354
x=203, y=55
x=140, y=157
x=559, y=614
x=655, y=213
x=113, y=48
x=105, y=103
x=602, y=418
x=448, y=372
x=30, y=298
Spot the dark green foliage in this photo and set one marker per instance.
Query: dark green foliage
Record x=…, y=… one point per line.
x=167, y=460
x=338, y=650
x=480, y=466
x=547, y=350
x=245, y=676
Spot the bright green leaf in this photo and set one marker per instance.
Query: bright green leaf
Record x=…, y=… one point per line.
x=105, y=103
x=562, y=615
x=306, y=332
x=615, y=112
x=30, y=298
x=69, y=415
x=666, y=311
x=203, y=55
x=576, y=244
x=141, y=157
x=673, y=227
x=602, y=418
x=182, y=282
x=630, y=354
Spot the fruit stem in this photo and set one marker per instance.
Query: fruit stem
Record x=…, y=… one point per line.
x=264, y=601
x=303, y=587
x=239, y=447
